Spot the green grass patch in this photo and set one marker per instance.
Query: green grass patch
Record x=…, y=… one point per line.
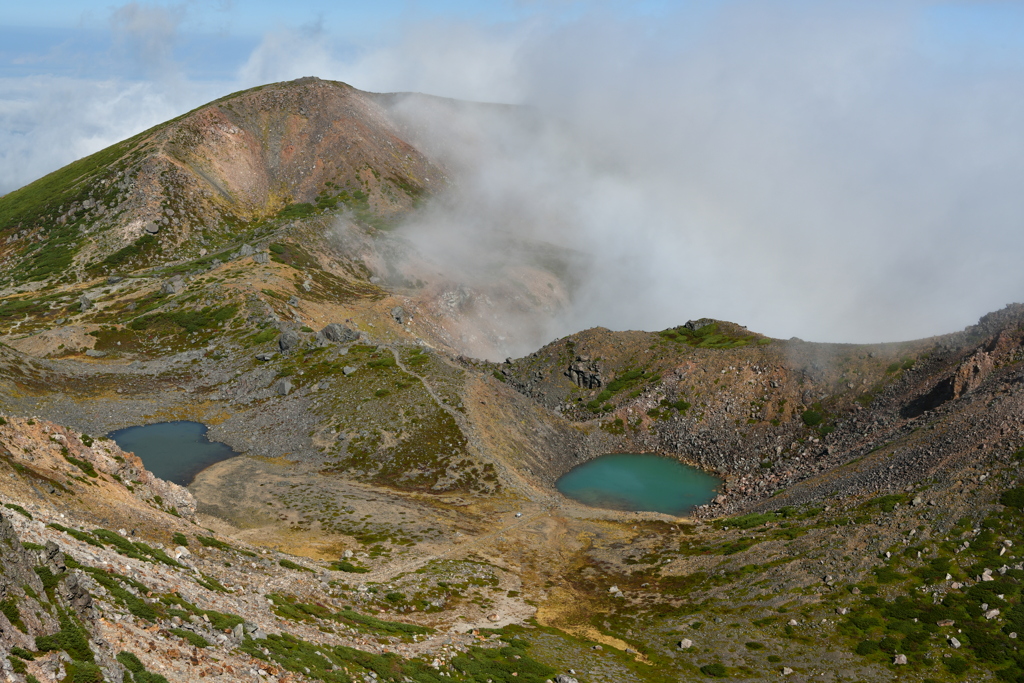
x=709, y=337
x=346, y=566
x=17, y=508
x=288, y=564
x=193, y=638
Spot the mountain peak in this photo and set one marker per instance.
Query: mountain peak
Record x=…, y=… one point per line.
x=197, y=179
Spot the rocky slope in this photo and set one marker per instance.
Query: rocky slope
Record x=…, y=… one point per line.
x=187, y=186
x=393, y=514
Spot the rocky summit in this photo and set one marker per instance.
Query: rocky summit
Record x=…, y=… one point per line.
x=393, y=515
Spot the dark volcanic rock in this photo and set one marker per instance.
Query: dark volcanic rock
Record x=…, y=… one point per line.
x=585, y=373
x=288, y=341
x=336, y=333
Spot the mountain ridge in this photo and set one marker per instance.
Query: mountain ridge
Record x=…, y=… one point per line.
x=393, y=515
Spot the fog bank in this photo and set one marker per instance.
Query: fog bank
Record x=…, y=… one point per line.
x=839, y=172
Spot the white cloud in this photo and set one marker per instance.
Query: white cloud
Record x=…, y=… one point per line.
x=798, y=168
x=804, y=173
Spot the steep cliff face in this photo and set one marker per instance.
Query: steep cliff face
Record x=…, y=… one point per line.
x=22, y=616
x=48, y=624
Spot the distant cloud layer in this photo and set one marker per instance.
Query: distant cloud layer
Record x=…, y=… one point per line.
x=800, y=168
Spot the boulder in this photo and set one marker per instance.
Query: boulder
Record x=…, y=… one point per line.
x=266, y=356
x=114, y=279
x=78, y=596
x=53, y=558
x=84, y=303
x=284, y=386
x=954, y=643
x=400, y=315
x=93, y=353
x=288, y=340
x=565, y=678
x=152, y=228
x=685, y=644
x=899, y=659
x=246, y=250
x=339, y=334
x=261, y=257
x=348, y=370
x=694, y=325
x=173, y=286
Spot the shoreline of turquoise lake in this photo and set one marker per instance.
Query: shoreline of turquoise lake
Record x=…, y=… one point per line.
x=639, y=482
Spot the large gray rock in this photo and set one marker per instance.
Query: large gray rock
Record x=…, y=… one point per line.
x=261, y=257
x=93, y=353
x=53, y=558
x=339, y=334
x=173, y=286
x=585, y=373
x=565, y=678
x=246, y=250
x=284, y=386
x=84, y=303
x=695, y=325
x=399, y=314
x=288, y=340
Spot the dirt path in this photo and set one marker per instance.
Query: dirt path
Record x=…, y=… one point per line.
x=426, y=385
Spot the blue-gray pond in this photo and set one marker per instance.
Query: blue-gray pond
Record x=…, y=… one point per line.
x=175, y=451
x=629, y=481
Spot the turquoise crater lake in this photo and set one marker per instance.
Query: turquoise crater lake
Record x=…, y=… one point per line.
x=638, y=482
x=174, y=451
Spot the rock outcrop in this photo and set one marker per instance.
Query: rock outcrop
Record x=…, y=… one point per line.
x=336, y=333
x=585, y=373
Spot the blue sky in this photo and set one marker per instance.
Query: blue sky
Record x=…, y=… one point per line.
x=213, y=39
x=853, y=167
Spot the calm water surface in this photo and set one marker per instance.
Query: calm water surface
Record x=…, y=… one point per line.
x=175, y=451
x=630, y=481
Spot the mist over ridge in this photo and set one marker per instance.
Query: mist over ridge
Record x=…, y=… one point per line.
x=800, y=170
